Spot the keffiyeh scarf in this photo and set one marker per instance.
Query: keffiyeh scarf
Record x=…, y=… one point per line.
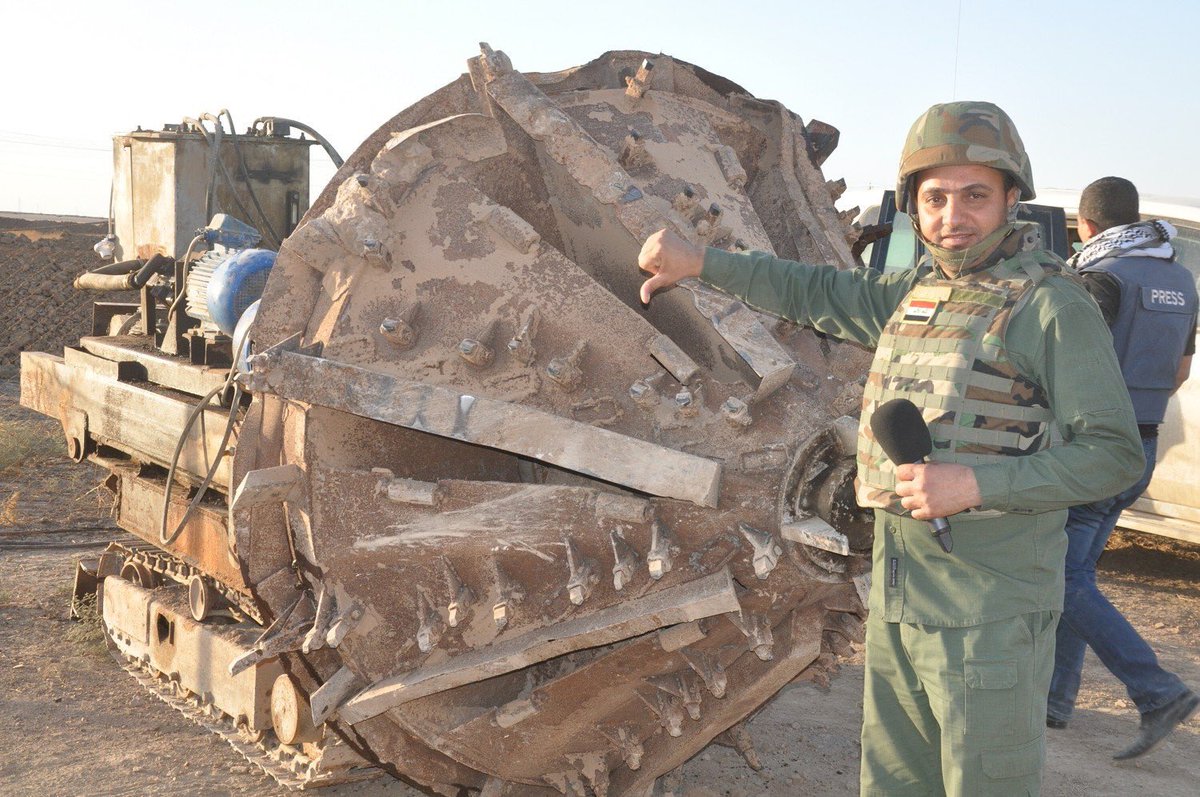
x=1140, y=239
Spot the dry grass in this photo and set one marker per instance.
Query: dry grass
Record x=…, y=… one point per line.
x=24, y=442
x=8, y=511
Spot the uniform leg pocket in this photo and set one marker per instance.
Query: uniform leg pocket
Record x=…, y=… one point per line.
x=989, y=702
x=1013, y=770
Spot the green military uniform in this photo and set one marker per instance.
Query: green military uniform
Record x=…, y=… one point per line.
x=960, y=645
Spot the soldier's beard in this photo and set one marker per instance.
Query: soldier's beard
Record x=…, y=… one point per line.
x=957, y=261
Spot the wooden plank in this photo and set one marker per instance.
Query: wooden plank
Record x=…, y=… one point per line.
x=580, y=447
x=1177, y=528
x=143, y=423
x=704, y=597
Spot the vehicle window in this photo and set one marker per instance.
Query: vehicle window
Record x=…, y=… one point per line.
x=1187, y=248
x=902, y=246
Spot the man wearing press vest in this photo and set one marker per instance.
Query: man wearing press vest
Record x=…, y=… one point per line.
x=1149, y=302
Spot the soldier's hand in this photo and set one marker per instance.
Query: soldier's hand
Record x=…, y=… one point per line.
x=669, y=259
x=937, y=489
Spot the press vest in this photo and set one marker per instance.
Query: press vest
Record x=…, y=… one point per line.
x=1155, y=319
x=943, y=349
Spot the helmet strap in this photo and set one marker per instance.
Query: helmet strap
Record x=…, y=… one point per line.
x=953, y=262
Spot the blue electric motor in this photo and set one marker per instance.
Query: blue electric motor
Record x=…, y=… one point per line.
x=236, y=284
x=226, y=281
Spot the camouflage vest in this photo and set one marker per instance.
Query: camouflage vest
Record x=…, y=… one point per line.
x=943, y=349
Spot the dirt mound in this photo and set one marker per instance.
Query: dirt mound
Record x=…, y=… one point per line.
x=39, y=310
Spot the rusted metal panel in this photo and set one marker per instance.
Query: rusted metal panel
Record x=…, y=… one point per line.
x=141, y=362
x=161, y=180
x=203, y=541
x=117, y=415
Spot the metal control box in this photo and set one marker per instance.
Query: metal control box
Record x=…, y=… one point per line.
x=166, y=185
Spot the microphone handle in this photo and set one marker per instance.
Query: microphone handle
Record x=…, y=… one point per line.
x=940, y=528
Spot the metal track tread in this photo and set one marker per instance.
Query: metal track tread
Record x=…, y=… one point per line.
x=288, y=765
x=179, y=571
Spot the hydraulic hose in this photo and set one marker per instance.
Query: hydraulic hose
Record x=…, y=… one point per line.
x=125, y=276
x=320, y=139
x=233, y=139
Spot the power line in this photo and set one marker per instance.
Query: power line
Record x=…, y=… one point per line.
x=32, y=140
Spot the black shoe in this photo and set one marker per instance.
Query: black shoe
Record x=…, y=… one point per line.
x=1158, y=724
x=1056, y=724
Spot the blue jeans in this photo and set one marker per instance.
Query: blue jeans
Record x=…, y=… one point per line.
x=1089, y=619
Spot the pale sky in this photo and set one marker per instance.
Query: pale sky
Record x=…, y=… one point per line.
x=1095, y=88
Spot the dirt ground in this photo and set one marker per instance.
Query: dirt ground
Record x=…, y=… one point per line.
x=71, y=722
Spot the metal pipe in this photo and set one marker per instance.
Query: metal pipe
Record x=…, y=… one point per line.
x=320, y=139
x=124, y=276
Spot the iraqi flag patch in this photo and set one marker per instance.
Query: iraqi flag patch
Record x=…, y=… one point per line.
x=920, y=311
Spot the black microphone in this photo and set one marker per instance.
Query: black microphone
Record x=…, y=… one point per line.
x=904, y=437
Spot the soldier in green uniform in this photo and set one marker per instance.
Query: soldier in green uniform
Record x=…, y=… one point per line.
x=1012, y=367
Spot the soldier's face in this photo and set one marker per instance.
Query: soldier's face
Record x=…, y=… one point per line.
x=959, y=206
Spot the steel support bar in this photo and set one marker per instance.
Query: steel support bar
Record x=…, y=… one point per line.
x=580, y=447
x=143, y=423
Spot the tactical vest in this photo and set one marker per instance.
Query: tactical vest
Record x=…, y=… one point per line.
x=943, y=349
x=1155, y=320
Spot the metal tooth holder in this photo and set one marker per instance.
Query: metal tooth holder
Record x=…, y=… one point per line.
x=685, y=403
x=461, y=597
x=583, y=575
x=521, y=344
x=626, y=561
x=565, y=370
x=633, y=152
x=372, y=249
x=402, y=331
x=766, y=550
x=762, y=641
x=709, y=668
x=662, y=550
x=685, y=201
x=429, y=630
x=636, y=86
x=475, y=353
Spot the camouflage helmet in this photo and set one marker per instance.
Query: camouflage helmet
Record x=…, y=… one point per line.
x=959, y=134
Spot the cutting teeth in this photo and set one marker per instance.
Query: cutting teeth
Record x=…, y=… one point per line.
x=627, y=743
x=429, y=629
x=710, y=670
x=626, y=559
x=766, y=549
x=521, y=344
x=662, y=550
x=667, y=709
x=510, y=593
x=583, y=574
x=461, y=597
